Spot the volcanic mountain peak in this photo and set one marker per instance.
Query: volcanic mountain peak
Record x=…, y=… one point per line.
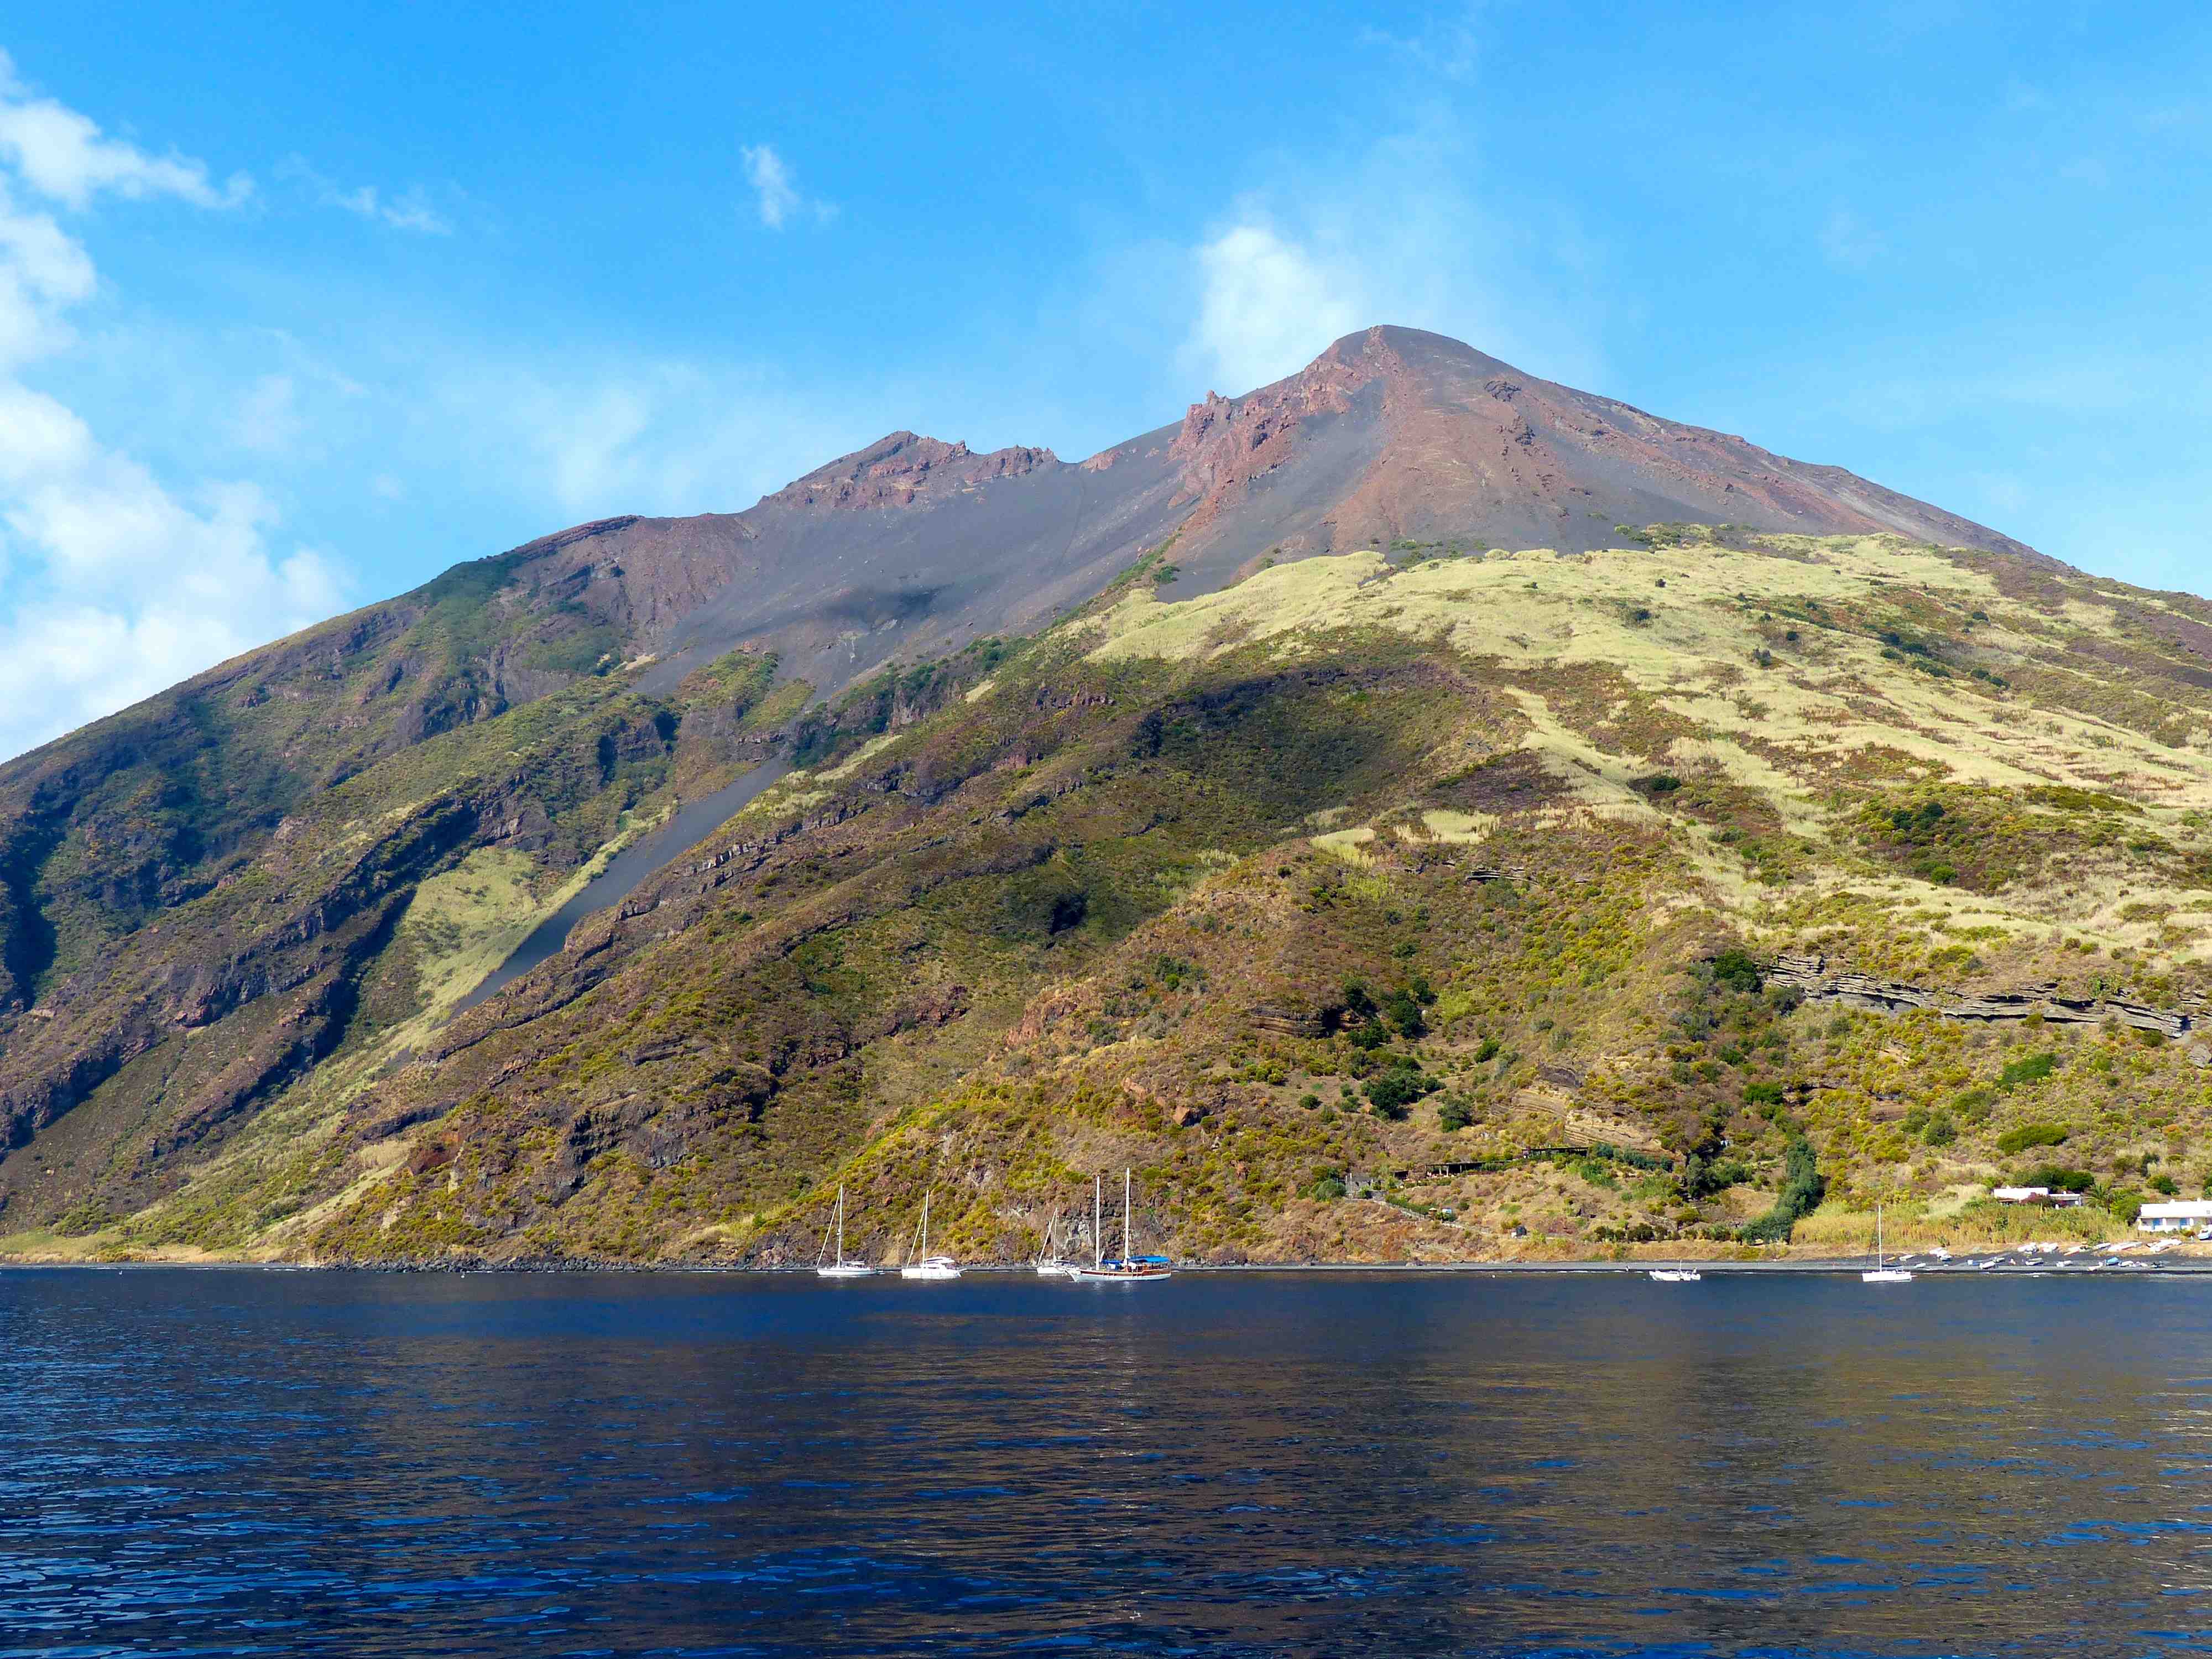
x=914, y=546
x=1423, y=437
x=900, y=468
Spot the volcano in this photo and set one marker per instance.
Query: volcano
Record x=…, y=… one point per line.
x=696, y=851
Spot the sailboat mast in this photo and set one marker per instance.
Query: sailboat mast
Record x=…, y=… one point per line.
x=1097, y=1221
x=1125, y=1216
x=841, y=1223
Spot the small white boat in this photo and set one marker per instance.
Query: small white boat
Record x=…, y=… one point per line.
x=1879, y=1275
x=1127, y=1268
x=1677, y=1275
x=1050, y=1265
x=922, y=1264
x=840, y=1269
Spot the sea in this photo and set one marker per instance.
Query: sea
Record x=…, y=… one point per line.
x=239, y=1460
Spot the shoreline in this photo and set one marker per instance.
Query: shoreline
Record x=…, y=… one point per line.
x=2082, y=1266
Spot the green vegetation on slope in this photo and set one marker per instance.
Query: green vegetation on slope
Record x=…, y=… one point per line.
x=1371, y=907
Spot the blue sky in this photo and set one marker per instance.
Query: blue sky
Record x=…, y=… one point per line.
x=297, y=310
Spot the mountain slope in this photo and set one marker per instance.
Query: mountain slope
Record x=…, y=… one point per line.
x=1268, y=890
x=243, y=921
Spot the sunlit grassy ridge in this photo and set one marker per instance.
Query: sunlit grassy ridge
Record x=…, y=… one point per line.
x=1368, y=909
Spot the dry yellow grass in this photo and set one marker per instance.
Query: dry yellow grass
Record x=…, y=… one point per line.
x=1683, y=629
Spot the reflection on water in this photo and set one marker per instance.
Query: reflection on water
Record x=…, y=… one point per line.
x=237, y=1461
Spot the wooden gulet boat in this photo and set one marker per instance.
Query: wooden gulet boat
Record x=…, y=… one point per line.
x=1127, y=1268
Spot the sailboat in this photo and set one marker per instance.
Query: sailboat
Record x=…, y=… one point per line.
x=1050, y=1265
x=1677, y=1275
x=840, y=1269
x=1879, y=1275
x=922, y=1264
x=1127, y=1268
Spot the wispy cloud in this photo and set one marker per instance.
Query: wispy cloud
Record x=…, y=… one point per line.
x=776, y=196
x=1448, y=45
x=1396, y=234
x=408, y=210
x=116, y=584
x=62, y=155
x=657, y=436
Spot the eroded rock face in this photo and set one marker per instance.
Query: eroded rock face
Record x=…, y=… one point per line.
x=1812, y=975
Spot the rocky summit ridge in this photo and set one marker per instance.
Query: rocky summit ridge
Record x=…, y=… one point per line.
x=1413, y=808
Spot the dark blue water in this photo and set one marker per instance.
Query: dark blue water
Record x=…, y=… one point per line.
x=235, y=1461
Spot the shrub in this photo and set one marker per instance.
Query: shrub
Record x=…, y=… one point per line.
x=1453, y=1113
x=1735, y=970
x=1309, y=1102
x=1485, y=1051
x=2058, y=1180
x=1762, y=1094
x=2032, y=1134
x=1403, y=1011
x=1940, y=1131
x=2164, y=1186
x=1393, y=1093
x=1802, y=1188
x=89, y=1217
x=2124, y=1206
x=1326, y=1188
x=2033, y=1068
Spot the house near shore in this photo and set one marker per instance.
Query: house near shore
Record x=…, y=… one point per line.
x=2045, y=1197
x=2191, y=1215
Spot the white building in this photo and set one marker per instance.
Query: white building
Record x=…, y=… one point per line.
x=2190, y=1215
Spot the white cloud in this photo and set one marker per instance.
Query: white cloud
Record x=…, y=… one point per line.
x=408, y=210
x=62, y=155
x=43, y=272
x=776, y=196
x=1396, y=234
x=1268, y=306
x=117, y=585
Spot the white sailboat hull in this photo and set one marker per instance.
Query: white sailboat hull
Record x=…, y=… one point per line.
x=935, y=1266
x=1887, y=1276
x=845, y=1270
